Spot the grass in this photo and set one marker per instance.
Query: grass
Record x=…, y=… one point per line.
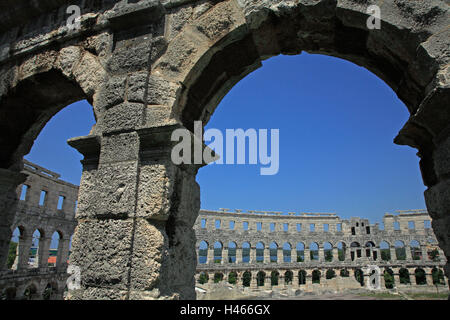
x=429, y=296
x=382, y=295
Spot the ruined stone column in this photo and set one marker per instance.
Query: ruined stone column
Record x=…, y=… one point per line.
x=135, y=237
x=412, y=276
x=9, y=181
x=43, y=253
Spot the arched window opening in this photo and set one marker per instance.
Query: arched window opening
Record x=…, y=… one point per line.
x=203, y=252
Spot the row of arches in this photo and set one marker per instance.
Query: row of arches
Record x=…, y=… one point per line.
x=301, y=277
x=327, y=252
x=51, y=290
x=37, y=249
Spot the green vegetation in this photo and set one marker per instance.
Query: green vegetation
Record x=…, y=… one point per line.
x=389, y=279
x=385, y=254
x=330, y=274
x=344, y=273
x=12, y=254
x=434, y=255
x=232, y=278
x=203, y=278
x=328, y=256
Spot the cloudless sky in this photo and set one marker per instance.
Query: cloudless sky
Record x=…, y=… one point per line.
x=337, y=123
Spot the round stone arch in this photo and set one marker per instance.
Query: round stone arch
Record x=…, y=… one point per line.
x=36, y=87
x=408, y=52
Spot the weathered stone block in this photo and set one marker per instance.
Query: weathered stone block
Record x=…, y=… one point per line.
x=151, y=89
x=124, y=116
x=112, y=93
x=102, y=249
x=156, y=179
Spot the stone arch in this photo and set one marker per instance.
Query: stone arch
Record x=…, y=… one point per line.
x=15, y=244
x=328, y=251
x=218, y=277
x=232, y=277
x=301, y=277
x=314, y=251
x=31, y=291
x=261, y=278
x=246, y=278
x=213, y=49
x=39, y=86
x=218, y=252
x=274, y=278
x=389, y=279
x=420, y=275
x=288, y=277
x=400, y=250
x=232, y=254
x=273, y=247
x=287, y=252
x=341, y=247
x=203, y=247
x=316, y=274
x=50, y=291
x=203, y=277
x=385, y=250
x=438, y=276
x=259, y=254
x=404, y=276
x=56, y=243
x=9, y=293
x=355, y=250
x=359, y=276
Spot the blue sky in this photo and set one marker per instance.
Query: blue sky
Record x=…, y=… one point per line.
x=337, y=123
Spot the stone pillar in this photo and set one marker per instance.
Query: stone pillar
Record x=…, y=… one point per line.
x=238, y=255
x=412, y=276
x=266, y=255
x=9, y=181
x=424, y=253
x=307, y=255
x=24, y=251
x=253, y=282
x=210, y=255
x=136, y=211
x=348, y=256
x=436, y=171
x=63, y=253
x=280, y=255
x=43, y=252
x=321, y=255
